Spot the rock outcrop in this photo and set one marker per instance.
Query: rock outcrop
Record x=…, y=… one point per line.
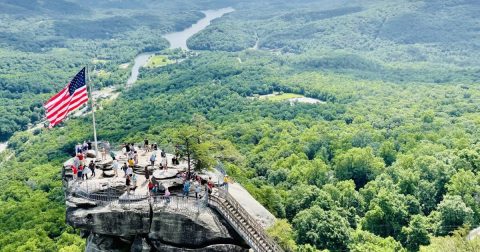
x=113, y=218
x=144, y=226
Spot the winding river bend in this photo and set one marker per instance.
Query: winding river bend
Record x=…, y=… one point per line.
x=178, y=39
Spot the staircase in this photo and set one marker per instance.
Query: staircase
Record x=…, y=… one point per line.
x=242, y=222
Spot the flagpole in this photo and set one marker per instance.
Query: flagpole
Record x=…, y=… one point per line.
x=93, y=114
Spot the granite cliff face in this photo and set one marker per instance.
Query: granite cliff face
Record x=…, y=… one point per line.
x=151, y=226
x=113, y=219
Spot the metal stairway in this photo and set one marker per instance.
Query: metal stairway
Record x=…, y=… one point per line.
x=242, y=222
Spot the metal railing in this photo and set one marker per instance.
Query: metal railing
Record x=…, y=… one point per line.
x=105, y=194
x=252, y=232
x=245, y=225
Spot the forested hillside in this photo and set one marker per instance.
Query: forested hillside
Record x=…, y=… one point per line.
x=43, y=43
x=389, y=161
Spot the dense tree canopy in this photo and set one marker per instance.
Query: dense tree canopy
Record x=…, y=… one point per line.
x=387, y=160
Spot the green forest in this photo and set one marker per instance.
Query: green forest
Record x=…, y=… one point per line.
x=388, y=161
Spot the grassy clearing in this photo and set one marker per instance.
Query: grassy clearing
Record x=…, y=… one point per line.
x=281, y=97
x=158, y=61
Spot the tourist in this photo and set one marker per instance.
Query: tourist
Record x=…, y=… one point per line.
x=134, y=181
x=84, y=146
x=197, y=186
x=160, y=188
x=145, y=145
x=155, y=147
x=150, y=187
x=163, y=154
x=147, y=173
x=115, y=167
x=104, y=153
x=153, y=157
x=135, y=157
x=124, y=168
x=186, y=188
x=89, y=145
x=131, y=163
x=165, y=164
x=81, y=158
x=91, y=166
x=127, y=149
x=155, y=184
x=127, y=183
x=226, y=180
x=76, y=160
x=132, y=147
x=167, y=195
x=85, y=172
x=78, y=148
x=129, y=171
x=210, y=185
x=80, y=172
x=74, y=171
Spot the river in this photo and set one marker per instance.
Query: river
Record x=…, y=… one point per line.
x=177, y=40
x=3, y=146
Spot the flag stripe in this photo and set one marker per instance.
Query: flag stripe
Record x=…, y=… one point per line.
x=66, y=106
x=67, y=99
x=71, y=108
x=54, y=100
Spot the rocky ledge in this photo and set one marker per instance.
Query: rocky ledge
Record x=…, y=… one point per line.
x=117, y=221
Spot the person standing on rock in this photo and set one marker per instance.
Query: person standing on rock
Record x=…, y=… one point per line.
x=81, y=158
x=84, y=146
x=80, y=172
x=147, y=173
x=89, y=144
x=127, y=183
x=153, y=157
x=210, y=185
x=134, y=181
x=135, y=157
x=91, y=166
x=85, y=172
x=76, y=161
x=167, y=195
x=124, y=168
x=186, y=188
x=129, y=172
x=127, y=149
x=104, y=153
x=74, y=171
x=226, y=180
x=131, y=163
x=145, y=145
x=197, y=187
x=150, y=187
x=107, y=147
x=115, y=167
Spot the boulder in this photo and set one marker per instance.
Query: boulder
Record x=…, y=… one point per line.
x=108, y=173
x=90, y=154
x=165, y=174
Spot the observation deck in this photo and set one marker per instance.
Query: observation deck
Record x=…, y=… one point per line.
x=222, y=221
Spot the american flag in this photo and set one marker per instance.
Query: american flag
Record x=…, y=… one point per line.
x=70, y=98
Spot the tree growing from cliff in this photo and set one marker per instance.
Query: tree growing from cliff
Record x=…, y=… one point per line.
x=193, y=143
